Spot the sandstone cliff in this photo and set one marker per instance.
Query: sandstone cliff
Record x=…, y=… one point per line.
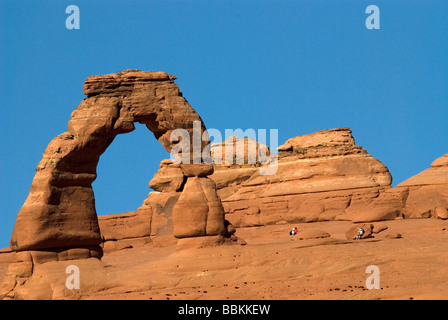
x=319, y=177
x=424, y=195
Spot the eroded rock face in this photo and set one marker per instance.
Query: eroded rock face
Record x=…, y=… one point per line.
x=424, y=195
x=59, y=211
x=320, y=176
x=427, y=192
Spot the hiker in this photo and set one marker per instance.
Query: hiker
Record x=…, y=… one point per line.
x=293, y=232
x=360, y=233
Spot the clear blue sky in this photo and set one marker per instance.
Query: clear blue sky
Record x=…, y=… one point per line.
x=296, y=66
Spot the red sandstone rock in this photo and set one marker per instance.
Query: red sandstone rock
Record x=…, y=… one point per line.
x=427, y=191
x=237, y=151
x=424, y=195
x=199, y=211
x=162, y=205
x=352, y=232
x=436, y=175
x=60, y=208
x=325, y=176
x=134, y=224
x=197, y=170
x=319, y=177
x=440, y=162
x=169, y=177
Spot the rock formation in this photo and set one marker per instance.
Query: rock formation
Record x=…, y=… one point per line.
x=320, y=176
x=58, y=221
x=326, y=176
x=199, y=211
x=424, y=195
x=59, y=211
x=428, y=191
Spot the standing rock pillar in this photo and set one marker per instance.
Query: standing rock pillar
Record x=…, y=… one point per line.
x=199, y=211
x=198, y=216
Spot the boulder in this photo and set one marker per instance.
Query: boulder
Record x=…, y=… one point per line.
x=352, y=232
x=169, y=177
x=441, y=213
x=197, y=170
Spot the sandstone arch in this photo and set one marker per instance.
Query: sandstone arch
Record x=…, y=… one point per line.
x=59, y=211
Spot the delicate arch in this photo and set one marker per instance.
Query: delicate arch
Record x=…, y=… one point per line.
x=59, y=211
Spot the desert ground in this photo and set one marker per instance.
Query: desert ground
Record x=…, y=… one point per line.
x=272, y=265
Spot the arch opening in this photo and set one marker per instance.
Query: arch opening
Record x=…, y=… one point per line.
x=124, y=171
